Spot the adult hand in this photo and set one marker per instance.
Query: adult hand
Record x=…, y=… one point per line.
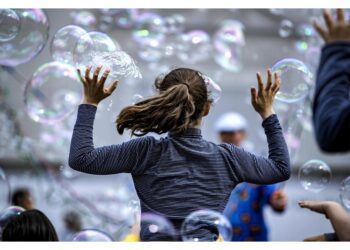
x=337, y=30
x=94, y=90
x=321, y=207
x=262, y=99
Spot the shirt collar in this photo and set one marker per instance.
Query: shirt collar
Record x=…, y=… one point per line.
x=189, y=133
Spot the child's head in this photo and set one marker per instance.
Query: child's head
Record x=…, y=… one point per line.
x=181, y=103
x=31, y=225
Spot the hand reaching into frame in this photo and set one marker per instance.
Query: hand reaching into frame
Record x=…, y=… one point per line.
x=94, y=89
x=337, y=30
x=262, y=99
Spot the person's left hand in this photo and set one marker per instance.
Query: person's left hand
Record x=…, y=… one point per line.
x=278, y=200
x=94, y=90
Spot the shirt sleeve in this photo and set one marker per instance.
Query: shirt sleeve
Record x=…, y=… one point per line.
x=261, y=170
x=331, y=107
x=127, y=157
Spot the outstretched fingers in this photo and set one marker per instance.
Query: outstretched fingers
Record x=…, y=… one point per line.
x=328, y=19
x=96, y=74
x=104, y=78
x=260, y=82
x=82, y=79
x=320, y=30
x=87, y=73
x=269, y=80
x=254, y=95
x=109, y=90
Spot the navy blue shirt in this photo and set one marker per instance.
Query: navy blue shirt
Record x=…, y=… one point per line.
x=331, y=107
x=179, y=174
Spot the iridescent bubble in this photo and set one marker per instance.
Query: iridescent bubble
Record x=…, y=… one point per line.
x=9, y=24
x=157, y=227
x=53, y=92
x=137, y=98
x=206, y=225
x=92, y=235
x=213, y=88
x=296, y=79
x=126, y=18
x=314, y=175
x=345, y=192
x=149, y=29
x=63, y=43
x=85, y=19
x=174, y=24
x=9, y=213
x=286, y=28
x=89, y=46
x=5, y=190
x=30, y=40
x=150, y=53
x=229, y=41
x=194, y=46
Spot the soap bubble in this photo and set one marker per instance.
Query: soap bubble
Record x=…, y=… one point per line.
x=296, y=80
x=106, y=23
x=202, y=224
x=8, y=213
x=91, y=235
x=174, y=24
x=126, y=18
x=91, y=45
x=157, y=228
x=63, y=43
x=149, y=29
x=314, y=175
x=119, y=62
x=194, y=46
x=137, y=98
x=5, y=190
x=286, y=28
x=345, y=192
x=214, y=90
x=85, y=19
x=30, y=40
x=229, y=41
x=53, y=92
x=9, y=24
x=150, y=53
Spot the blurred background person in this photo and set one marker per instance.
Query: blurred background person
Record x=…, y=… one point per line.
x=72, y=225
x=247, y=201
x=22, y=197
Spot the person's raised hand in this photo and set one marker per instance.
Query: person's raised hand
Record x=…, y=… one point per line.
x=262, y=99
x=94, y=89
x=278, y=200
x=337, y=29
x=318, y=206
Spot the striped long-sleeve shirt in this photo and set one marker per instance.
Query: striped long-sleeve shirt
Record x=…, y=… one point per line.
x=179, y=174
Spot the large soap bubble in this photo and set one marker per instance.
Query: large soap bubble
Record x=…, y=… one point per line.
x=157, y=228
x=174, y=24
x=63, y=43
x=286, y=28
x=8, y=213
x=345, y=192
x=201, y=224
x=194, y=46
x=92, y=235
x=30, y=40
x=314, y=175
x=229, y=41
x=149, y=29
x=214, y=90
x=9, y=24
x=5, y=190
x=296, y=80
x=52, y=93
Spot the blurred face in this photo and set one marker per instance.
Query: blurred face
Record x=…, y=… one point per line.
x=28, y=202
x=233, y=137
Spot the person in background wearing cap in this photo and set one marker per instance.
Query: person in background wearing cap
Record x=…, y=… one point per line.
x=245, y=206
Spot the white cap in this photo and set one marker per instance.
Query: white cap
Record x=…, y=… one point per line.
x=231, y=122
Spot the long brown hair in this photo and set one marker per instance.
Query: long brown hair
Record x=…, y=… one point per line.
x=180, y=102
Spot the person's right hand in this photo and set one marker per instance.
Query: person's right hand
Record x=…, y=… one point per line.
x=262, y=99
x=94, y=90
x=321, y=207
x=337, y=30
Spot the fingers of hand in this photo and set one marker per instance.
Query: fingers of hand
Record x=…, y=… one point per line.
x=253, y=95
x=96, y=73
x=82, y=79
x=340, y=15
x=321, y=31
x=260, y=83
x=328, y=19
x=269, y=80
x=109, y=90
x=104, y=77
x=87, y=73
